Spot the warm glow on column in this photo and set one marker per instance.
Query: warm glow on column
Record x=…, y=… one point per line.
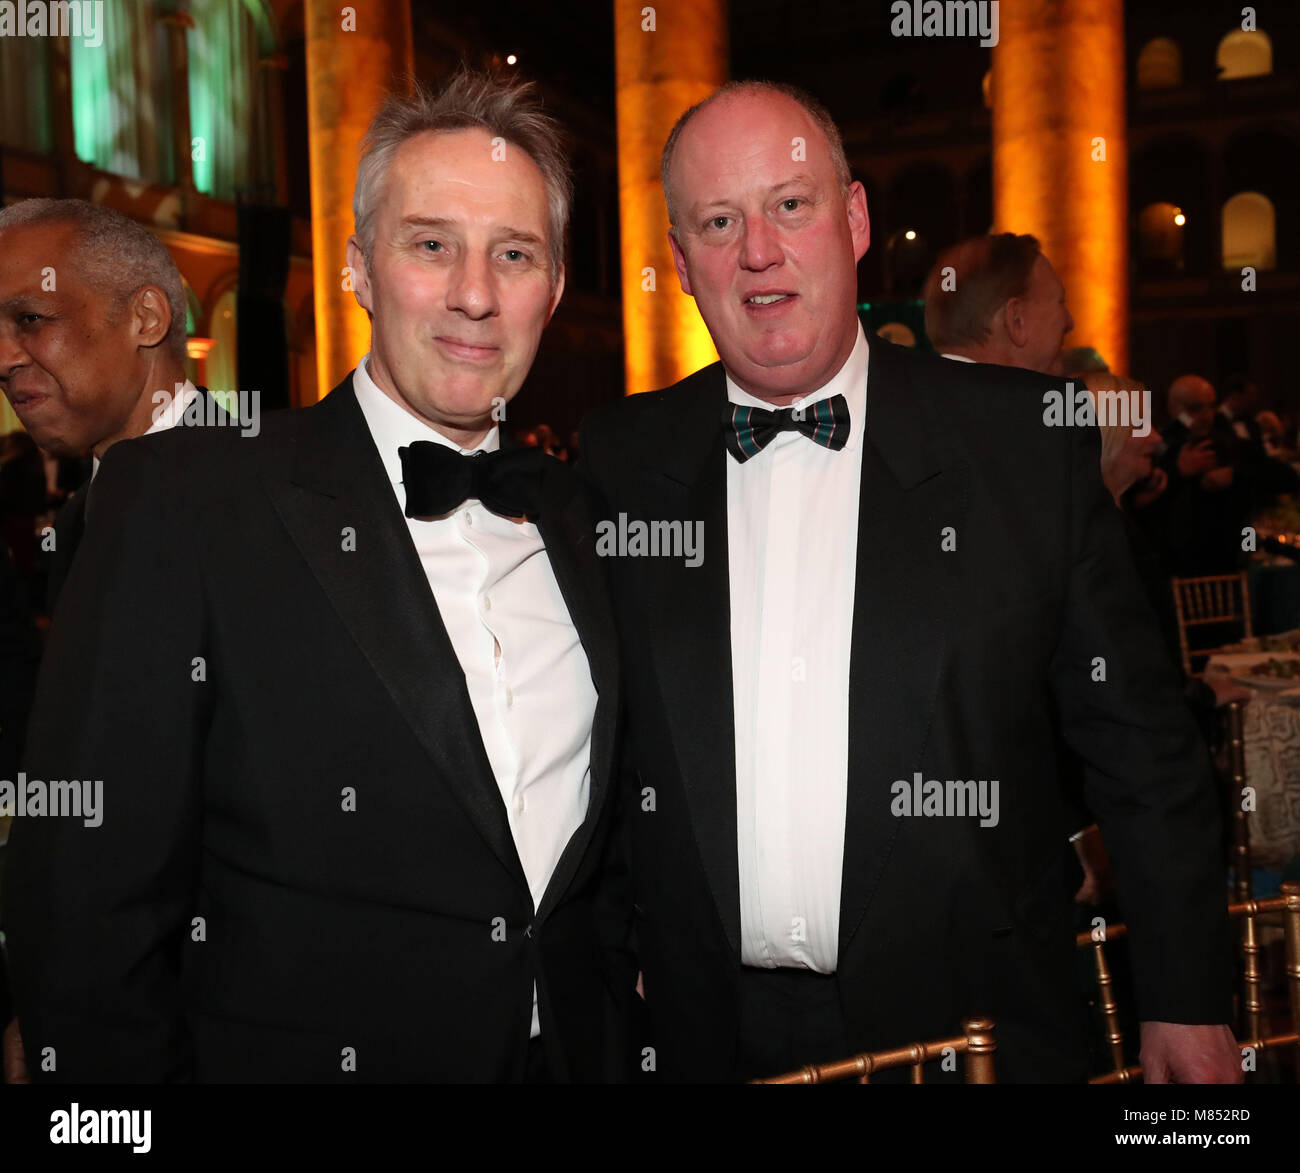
x=349, y=71
x=1058, y=88
x=660, y=74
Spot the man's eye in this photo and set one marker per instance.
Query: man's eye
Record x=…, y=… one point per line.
x=432, y=246
x=30, y=319
x=515, y=255
x=718, y=222
x=793, y=200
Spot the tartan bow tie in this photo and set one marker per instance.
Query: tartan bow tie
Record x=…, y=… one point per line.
x=439, y=479
x=751, y=429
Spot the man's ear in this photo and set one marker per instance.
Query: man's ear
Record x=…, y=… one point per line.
x=360, y=276
x=150, y=316
x=1013, y=314
x=859, y=220
x=679, y=263
x=555, y=297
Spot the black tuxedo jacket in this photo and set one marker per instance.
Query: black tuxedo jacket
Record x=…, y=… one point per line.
x=304, y=870
x=70, y=521
x=963, y=660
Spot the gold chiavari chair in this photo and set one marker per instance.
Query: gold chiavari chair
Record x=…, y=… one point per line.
x=1250, y=1030
x=1199, y=602
x=977, y=1044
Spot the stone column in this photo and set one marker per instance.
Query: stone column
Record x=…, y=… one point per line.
x=1060, y=154
x=668, y=56
x=354, y=57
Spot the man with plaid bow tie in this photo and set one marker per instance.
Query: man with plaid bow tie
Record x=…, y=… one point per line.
x=882, y=605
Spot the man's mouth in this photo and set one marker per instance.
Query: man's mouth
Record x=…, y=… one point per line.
x=469, y=351
x=763, y=297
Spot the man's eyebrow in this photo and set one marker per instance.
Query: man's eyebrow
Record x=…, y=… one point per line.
x=523, y=235
x=794, y=181
x=18, y=302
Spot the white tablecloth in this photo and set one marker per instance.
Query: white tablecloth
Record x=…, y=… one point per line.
x=1271, y=726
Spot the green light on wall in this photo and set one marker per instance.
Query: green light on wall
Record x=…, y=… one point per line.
x=224, y=45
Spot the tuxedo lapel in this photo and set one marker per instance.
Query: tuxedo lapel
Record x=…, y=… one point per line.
x=905, y=600
x=691, y=637
x=337, y=488
x=568, y=529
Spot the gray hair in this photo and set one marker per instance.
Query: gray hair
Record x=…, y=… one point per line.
x=511, y=110
x=810, y=105
x=114, y=254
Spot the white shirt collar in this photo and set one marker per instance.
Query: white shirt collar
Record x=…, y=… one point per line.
x=169, y=417
x=393, y=427
x=850, y=381
x=957, y=357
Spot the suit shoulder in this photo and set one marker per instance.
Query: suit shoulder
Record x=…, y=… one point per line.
x=650, y=415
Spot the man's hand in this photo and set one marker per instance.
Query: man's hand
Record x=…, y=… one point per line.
x=15, y=1059
x=1150, y=489
x=1096, y=885
x=1226, y=690
x=1217, y=479
x=1178, y=1053
x=1196, y=457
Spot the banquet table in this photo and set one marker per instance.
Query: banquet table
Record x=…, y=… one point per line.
x=1271, y=727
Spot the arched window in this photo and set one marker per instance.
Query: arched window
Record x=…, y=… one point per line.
x=122, y=94
x=1249, y=231
x=229, y=144
x=1160, y=233
x=1243, y=54
x=1160, y=65
x=223, y=358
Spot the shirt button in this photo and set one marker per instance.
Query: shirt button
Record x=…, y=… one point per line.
x=487, y=602
x=469, y=517
x=521, y=804
x=510, y=699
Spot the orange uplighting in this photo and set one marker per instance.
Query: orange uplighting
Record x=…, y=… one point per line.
x=349, y=72
x=660, y=72
x=1060, y=154
x=1180, y=219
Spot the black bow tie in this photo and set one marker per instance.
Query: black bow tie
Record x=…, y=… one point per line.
x=751, y=429
x=438, y=479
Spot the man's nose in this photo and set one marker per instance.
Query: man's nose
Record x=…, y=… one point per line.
x=12, y=355
x=760, y=248
x=472, y=290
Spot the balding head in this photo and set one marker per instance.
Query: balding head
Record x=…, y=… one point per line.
x=1191, y=400
x=767, y=237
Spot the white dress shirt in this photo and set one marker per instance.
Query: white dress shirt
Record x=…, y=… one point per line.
x=792, y=525
x=525, y=668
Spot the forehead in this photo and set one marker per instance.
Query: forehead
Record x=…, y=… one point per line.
x=466, y=175
x=29, y=249
x=746, y=140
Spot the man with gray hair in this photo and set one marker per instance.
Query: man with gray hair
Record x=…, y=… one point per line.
x=997, y=299
x=92, y=339
x=361, y=834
